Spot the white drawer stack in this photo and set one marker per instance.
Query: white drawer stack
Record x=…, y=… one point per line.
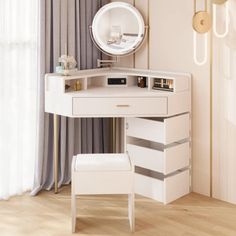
x=160, y=150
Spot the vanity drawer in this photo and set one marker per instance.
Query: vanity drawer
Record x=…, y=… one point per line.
x=164, y=161
x=166, y=190
x=119, y=106
x=165, y=131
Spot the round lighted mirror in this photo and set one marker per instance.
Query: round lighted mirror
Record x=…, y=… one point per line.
x=118, y=28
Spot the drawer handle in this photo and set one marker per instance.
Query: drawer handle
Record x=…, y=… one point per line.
x=124, y=105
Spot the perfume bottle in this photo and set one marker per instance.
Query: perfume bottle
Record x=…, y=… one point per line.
x=115, y=34
x=143, y=82
x=139, y=81
x=77, y=86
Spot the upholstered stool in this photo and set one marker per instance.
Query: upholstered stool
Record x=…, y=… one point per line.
x=102, y=174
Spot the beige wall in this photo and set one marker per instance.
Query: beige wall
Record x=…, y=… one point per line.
x=169, y=47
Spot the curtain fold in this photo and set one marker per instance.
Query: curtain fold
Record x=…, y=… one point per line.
x=66, y=22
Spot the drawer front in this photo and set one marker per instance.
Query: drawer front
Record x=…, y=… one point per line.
x=176, y=186
x=176, y=157
x=167, y=131
x=176, y=128
x=167, y=190
x=166, y=162
x=146, y=157
x=149, y=187
x=119, y=106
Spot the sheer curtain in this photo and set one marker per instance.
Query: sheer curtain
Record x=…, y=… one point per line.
x=224, y=112
x=18, y=95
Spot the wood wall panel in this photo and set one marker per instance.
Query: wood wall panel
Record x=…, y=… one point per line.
x=141, y=57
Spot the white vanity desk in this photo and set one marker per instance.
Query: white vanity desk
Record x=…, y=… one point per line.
x=159, y=145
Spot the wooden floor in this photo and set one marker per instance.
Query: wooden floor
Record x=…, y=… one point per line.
x=48, y=214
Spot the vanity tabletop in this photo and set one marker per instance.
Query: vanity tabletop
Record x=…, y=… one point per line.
x=120, y=71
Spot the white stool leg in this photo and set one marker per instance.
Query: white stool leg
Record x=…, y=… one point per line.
x=73, y=211
x=131, y=211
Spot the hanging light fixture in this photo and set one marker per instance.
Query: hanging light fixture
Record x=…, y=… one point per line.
x=226, y=5
x=202, y=24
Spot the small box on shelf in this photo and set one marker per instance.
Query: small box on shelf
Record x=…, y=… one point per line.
x=163, y=84
x=142, y=82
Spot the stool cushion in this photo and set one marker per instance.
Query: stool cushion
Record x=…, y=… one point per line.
x=102, y=162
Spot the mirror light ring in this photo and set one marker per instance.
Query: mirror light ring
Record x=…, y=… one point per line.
x=136, y=43
x=217, y=34
x=204, y=60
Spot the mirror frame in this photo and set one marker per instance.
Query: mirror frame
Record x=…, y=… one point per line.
x=101, y=45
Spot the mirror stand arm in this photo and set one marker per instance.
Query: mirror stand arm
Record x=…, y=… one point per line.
x=102, y=63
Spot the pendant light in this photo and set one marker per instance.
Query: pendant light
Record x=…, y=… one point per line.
x=202, y=24
x=226, y=6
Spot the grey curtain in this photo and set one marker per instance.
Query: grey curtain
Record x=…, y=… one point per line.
x=66, y=22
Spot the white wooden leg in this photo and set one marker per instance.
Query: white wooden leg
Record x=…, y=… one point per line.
x=131, y=211
x=73, y=212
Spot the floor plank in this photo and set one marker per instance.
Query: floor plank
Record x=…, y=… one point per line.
x=48, y=214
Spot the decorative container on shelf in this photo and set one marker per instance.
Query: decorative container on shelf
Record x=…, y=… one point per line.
x=68, y=65
x=69, y=72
